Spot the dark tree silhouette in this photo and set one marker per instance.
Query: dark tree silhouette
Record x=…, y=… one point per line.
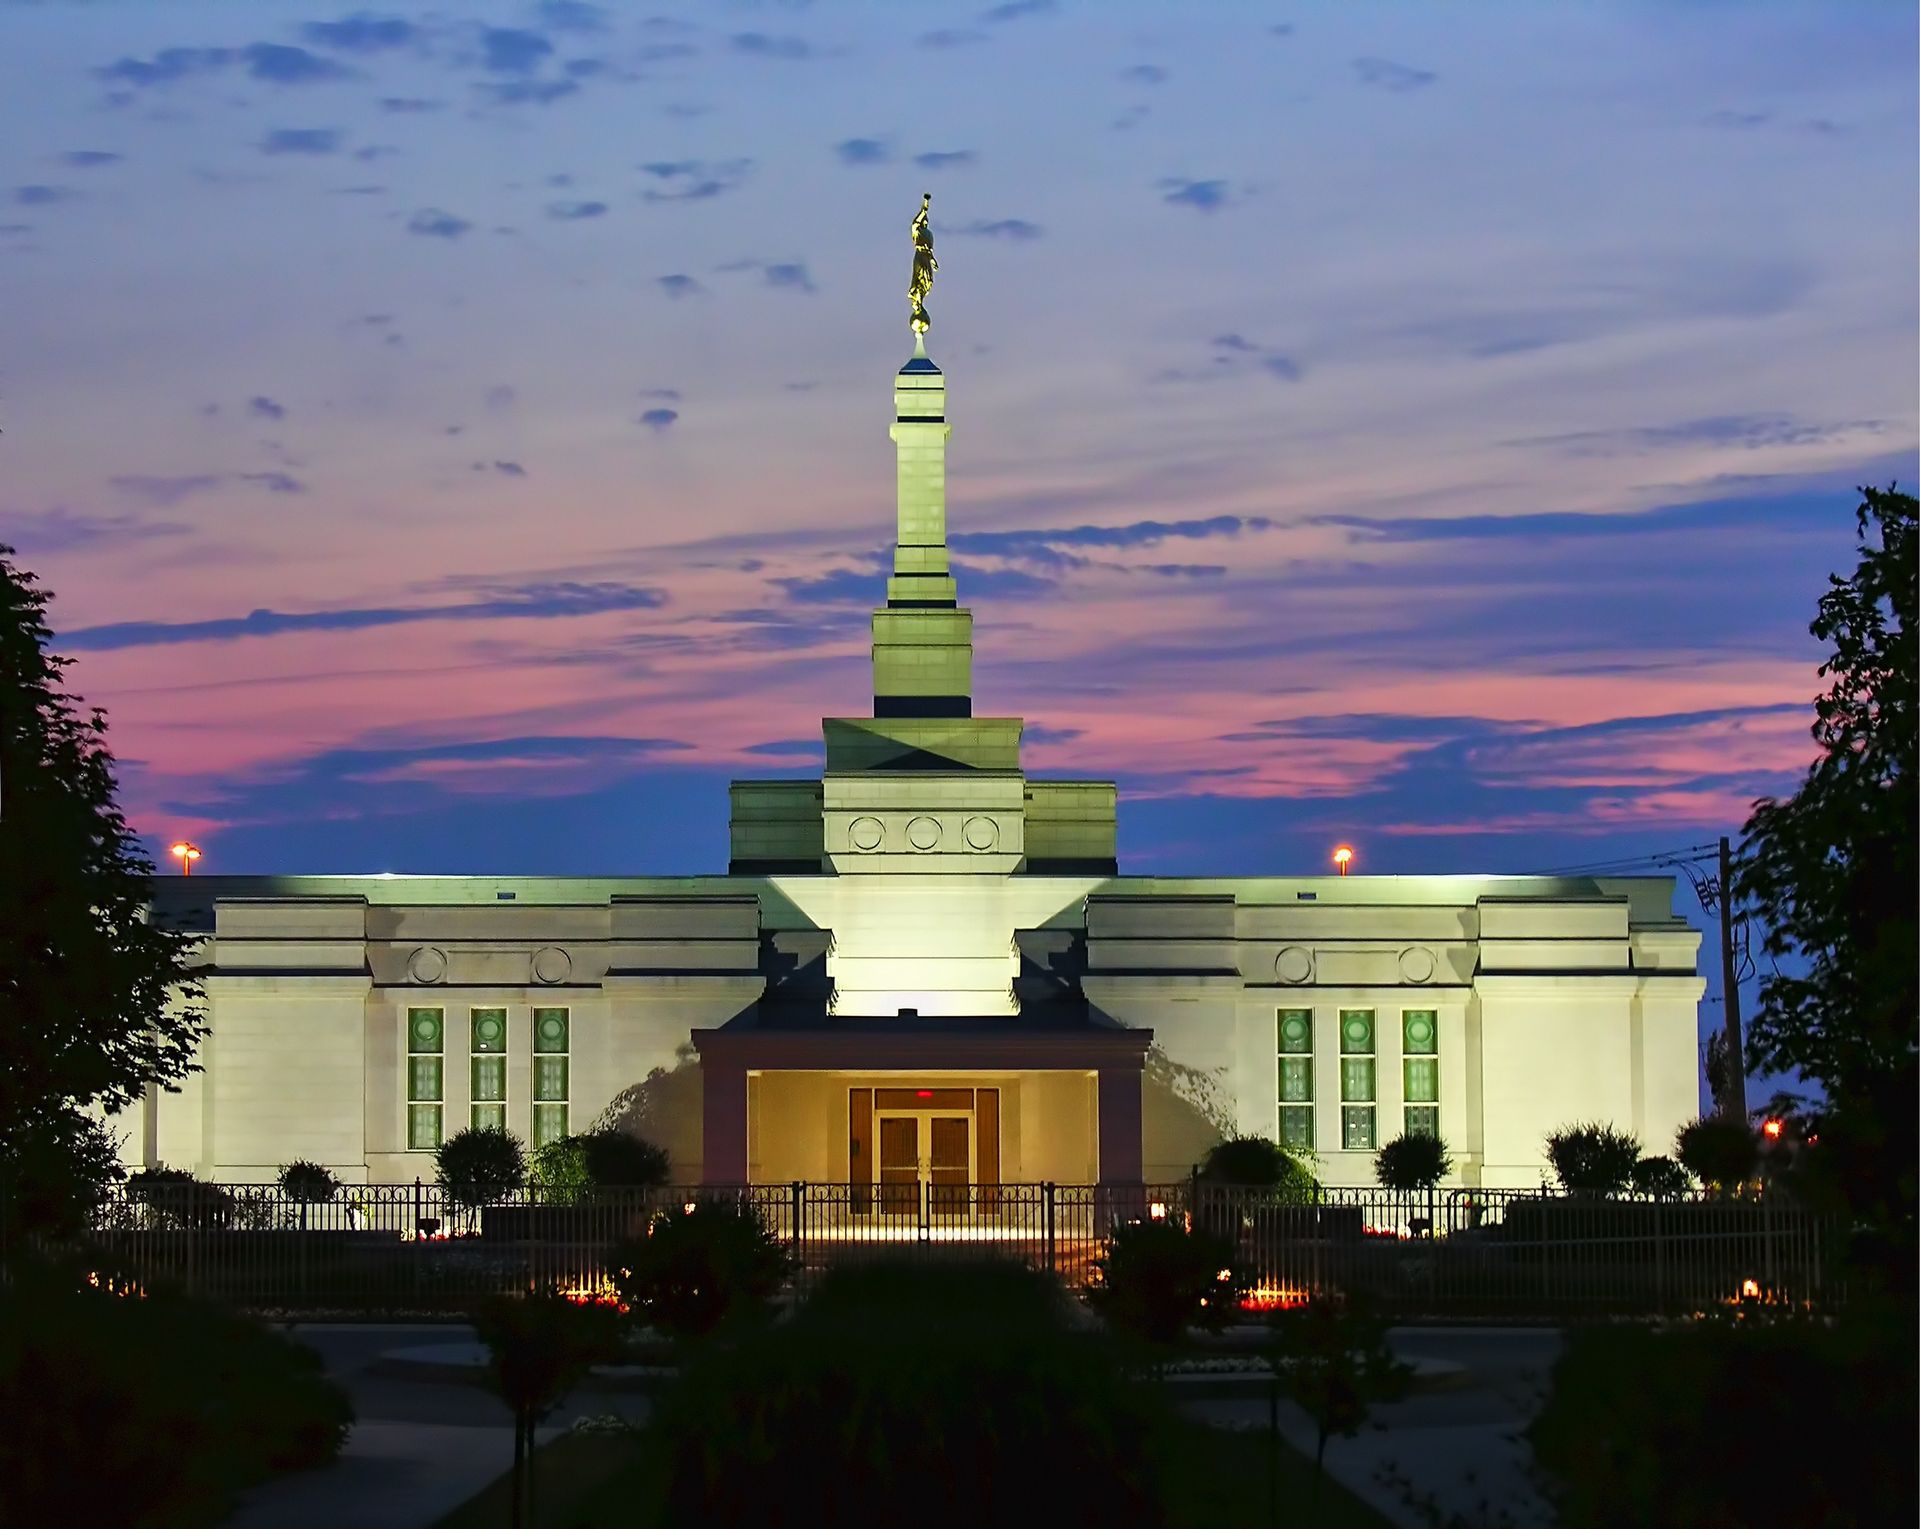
x=1830, y=874
x=95, y=1001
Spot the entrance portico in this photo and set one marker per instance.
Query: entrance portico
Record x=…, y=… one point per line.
x=938, y=1105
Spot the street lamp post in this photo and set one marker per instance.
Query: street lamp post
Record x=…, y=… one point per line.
x=186, y=854
x=1343, y=857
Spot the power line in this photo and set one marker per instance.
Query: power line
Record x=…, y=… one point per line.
x=1659, y=857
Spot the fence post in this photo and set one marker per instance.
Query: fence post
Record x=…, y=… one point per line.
x=1660, y=1256
x=799, y=1192
x=1766, y=1238
x=1046, y=1216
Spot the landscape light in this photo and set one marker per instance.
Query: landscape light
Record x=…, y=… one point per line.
x=1343, y=857
x=1772, y=1129
x=186, y=854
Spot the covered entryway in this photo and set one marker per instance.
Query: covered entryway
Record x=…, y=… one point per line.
x=937, y=1113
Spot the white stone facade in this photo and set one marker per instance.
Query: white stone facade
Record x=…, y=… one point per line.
x=924, y=967
x=1554, y=1001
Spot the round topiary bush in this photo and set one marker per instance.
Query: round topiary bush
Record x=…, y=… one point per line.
x=480, y=1166
x=1721, y=1153
x=1593, y=1159
x=309, y=1183
x=1660, y=1178
x=1254, y=1162
x=1413, y=1160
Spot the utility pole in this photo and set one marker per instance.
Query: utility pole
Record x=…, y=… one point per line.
x=1734, y=1104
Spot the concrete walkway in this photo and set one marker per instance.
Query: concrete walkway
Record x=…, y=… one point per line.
x=419, y=1447
x=1440, y=1457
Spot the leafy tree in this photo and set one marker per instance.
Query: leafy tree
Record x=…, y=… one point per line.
x=1830, y=873
x=1660, y=1178
x=1720, y=1153
x=609, y=1158
x=1592, y=1159
x=1330, y=1357
x=1412, y=1160
x=541, y=1344
x=55, y=1175
x=480, y=1166
x=95, y=1001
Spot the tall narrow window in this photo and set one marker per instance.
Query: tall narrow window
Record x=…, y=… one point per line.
x=550, y=1081
x=487, y=1068
x=1296, y=1078
x=426, y=1077
x=1356, y=1080
x=1420, y=1042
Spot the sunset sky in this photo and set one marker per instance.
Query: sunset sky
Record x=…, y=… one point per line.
x=457, y=440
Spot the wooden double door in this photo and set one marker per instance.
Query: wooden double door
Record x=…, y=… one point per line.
x=922, y=1150
x=924, y=1159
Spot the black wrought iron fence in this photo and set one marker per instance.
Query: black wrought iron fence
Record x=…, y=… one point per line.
x=1487, y=1253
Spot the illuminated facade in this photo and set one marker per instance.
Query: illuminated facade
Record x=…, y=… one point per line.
x=924, y=967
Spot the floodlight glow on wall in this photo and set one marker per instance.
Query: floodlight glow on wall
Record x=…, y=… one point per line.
x=186, y=854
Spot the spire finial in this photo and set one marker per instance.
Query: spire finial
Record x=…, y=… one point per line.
x=924, y=265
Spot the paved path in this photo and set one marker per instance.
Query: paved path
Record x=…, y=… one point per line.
x=419, y=1448
x=1441, y=1457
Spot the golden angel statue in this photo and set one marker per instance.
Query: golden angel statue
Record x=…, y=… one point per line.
x=924, y=265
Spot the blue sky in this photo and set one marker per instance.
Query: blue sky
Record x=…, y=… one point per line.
x=457, y=439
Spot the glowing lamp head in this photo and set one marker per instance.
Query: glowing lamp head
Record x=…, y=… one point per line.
x=186, y=854
x=1343, y=857
x=1772, y=1129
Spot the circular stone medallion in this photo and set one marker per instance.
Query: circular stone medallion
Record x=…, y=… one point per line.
x=1294, y=964
x=981, y=833
x=1416, y=965
x=427, y=964
x=551, y=965
x=865, y=834
x=923, y=833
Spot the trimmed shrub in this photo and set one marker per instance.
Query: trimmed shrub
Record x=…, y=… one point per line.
x=480, y=1165
x=1658, y=1425
x=1721, y=1153
x=1412, y=1160
x=1593, y=1159
x=567, y=1168
x=179, y=1200
x=1158, y=1278
x=149, y=1410
x=1254, y=1162
x=1660, y=1178
x=310, y=1183
x=697, y=1269
x=958, y=1390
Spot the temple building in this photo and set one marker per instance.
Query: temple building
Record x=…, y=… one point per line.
x=926, y=966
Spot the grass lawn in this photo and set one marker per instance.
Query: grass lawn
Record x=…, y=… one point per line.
x=1217, y=1480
